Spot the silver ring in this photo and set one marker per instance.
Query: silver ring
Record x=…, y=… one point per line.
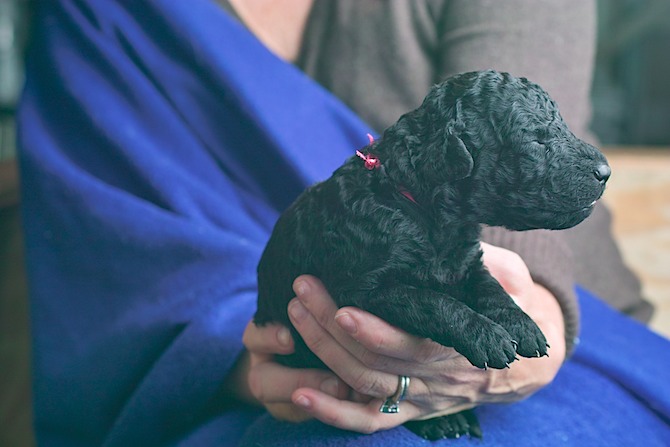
x=392, y=403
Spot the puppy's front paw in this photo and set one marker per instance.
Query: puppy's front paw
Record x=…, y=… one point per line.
x=526, y=334
x=486, y=344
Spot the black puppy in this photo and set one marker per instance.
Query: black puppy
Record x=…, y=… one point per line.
x=397, y=234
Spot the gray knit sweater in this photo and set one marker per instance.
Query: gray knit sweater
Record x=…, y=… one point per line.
x=380, y=57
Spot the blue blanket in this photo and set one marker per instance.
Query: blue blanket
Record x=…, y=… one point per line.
x=159, y=143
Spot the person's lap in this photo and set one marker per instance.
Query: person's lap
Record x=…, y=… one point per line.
x=611, y=392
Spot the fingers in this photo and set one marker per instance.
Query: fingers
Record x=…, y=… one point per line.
x=364, y=350
x=270, y=339
x=362, y=417
x=370, y=339
x=368, y=354
x=375, y=333
x=287, y=412
x=314, y=296
x=357, y=375
x=381, y=340
x=272, y=383
x=317, y=301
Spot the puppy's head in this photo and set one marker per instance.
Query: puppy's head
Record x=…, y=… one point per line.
x=500, y=143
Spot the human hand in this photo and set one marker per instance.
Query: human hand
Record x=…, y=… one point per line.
x=258, y=379
x=368, y=354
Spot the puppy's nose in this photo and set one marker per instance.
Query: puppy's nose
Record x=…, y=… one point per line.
x=602, y=173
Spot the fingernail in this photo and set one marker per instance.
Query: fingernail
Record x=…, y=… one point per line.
x=346, y=322
x=297, y=310
x=303, y=401
x=301, y=287
x=284, y=337
x=330, y=386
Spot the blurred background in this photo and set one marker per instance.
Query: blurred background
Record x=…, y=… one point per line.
x=631, y=101
x=631, y=92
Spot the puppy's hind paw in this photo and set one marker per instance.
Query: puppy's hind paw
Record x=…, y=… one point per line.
x=450, y=426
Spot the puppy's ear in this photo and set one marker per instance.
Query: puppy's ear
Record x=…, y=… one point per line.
x=444, y=159
x=459, y=160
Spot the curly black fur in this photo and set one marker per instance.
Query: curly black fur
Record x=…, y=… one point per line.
x=483, y=148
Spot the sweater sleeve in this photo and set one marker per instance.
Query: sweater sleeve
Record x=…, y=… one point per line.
x=550, y=43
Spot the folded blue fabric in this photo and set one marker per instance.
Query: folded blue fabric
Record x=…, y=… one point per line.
x=159, y=141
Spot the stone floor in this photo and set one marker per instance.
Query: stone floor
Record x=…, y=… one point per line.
x=639, y=195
